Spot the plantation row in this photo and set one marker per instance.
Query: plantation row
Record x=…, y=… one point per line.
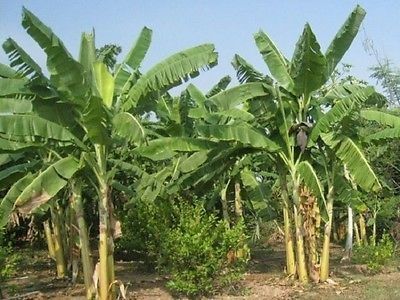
x=101, y=144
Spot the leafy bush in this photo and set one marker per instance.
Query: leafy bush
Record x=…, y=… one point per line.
x=375, y=256
x=201, y=253
x=143, y=228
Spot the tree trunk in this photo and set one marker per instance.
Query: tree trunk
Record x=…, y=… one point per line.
x=325, y=255
x=49, y=239
x=349, y=237
x=106, y=270
x=357, y=234
x=58, y=244
x=87, y=262
x=238, y=203
x=290, y=258
x=64, y=223
x=103, y=244
x=298, y=221
x=373, y=238
x=363, y=230
x=311, y=220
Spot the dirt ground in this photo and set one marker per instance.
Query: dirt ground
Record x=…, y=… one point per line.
x=264, y=280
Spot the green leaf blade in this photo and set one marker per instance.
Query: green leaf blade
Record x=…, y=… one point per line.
x=47, y=184
x=172, y=72
x=276, y=62
x=343, y=39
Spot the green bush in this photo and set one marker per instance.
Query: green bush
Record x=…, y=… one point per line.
x=375, y=256
x=143, y=228
x=198, y=251
x=201, y=253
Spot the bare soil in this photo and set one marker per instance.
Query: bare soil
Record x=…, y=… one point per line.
x=265, y=279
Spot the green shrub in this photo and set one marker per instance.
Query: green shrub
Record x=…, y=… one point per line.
x=201, y=253
x=375, y=256
x=143, y=228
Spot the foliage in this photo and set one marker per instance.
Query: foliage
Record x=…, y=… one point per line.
x=389, y=78
x=201, y=253
x=8, y=261
x=300, y=123
x=385, y=73
x=144, y=226
x=375, y=256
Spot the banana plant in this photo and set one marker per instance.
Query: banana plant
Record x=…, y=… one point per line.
x=100, y=106
x=302, y=117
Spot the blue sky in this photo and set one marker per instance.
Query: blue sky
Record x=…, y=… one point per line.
x=230, y=25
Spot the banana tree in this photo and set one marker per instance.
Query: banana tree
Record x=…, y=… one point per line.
x=97, y=101
x=301, y=120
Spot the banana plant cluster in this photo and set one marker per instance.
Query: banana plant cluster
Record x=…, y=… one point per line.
x=87, y=123
x=295, y=119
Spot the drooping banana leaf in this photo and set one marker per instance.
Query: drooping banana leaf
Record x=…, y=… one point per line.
x=242, y=133
x=384, y=134
x=171, y=72
x=237, y=95
x=219, y=161
x=46, y=184
x=193, y=161
x=127, y=167
x=19, y=58
x=34, y=126
x=152, y=186
x=165, y=148
x=122, y=188
x=381, y=117
x=357, y=164
x=341, y=109
x=11, y=157
x=7, y=203
x=59, y=113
